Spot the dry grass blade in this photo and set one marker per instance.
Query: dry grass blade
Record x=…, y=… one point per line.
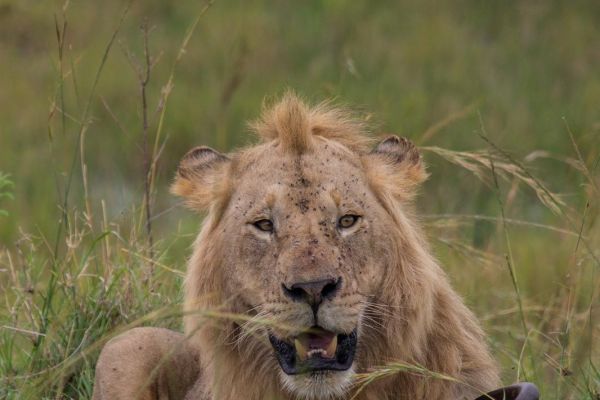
x=364, y=379
x=479, y=162
x=453, y=220
x=580, y=162
x=438, y=126
x=168, y=87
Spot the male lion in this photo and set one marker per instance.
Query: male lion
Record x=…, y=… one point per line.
x=309, y=268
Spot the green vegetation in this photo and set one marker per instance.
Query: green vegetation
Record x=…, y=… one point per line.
x=502, y=96
x=5, y=186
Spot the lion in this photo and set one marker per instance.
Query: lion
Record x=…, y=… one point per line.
x=310, y=269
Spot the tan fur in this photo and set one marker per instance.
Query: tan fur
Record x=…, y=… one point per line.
x=313, y=165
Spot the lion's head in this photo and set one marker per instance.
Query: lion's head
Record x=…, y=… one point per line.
x=309, y=234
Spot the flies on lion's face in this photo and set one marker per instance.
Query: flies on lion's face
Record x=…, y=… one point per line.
x=307, y=234
x=310, y=235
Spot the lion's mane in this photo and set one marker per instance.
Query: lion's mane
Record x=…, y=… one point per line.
x=431, y=327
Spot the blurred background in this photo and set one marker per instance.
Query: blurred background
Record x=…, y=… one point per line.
x=75, y=155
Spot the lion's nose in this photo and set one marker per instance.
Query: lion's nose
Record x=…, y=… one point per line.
x=313, y=292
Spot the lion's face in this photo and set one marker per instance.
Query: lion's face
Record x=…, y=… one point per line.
x=304, y=239
x=305, y=242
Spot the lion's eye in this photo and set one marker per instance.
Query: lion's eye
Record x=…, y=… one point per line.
x=347, y=221
x=265, y=225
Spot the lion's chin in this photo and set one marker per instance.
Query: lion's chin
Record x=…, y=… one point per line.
x=321, y=385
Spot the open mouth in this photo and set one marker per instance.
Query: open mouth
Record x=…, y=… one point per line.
x=315, y=349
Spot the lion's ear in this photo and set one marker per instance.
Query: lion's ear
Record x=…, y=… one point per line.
x=395, y=166
x=201, y=177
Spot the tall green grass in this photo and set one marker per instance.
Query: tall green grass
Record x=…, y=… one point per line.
x=5, y=190
x=507, y=94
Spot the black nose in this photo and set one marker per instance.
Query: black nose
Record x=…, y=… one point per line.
x=313, y=292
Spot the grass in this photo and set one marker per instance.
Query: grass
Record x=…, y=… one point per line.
x=5, y=190
x=502, y=97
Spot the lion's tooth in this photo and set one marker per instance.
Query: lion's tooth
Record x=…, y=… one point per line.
x=330, y=350
x=300, y=350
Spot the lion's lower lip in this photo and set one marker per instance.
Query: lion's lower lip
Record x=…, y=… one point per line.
x=295, y=362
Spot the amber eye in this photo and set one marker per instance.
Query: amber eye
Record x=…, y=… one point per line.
x=347, y=221
x=265, y=225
